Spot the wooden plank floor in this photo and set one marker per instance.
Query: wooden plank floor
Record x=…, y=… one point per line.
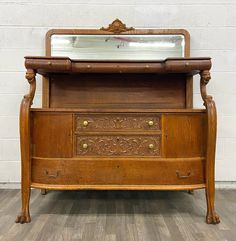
x=117, y=216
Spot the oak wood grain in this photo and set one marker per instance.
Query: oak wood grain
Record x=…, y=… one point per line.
x=184, y=135
x=52, y=135
x=117, y=171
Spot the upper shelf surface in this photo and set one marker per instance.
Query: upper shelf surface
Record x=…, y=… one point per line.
x=46, y=65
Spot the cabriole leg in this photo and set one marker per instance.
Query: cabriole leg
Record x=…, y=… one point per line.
x=211, y=217
x=24, y=216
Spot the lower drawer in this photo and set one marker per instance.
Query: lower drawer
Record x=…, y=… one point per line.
x=118, y=145
x=118, y=171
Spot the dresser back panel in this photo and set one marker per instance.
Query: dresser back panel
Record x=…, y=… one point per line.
x=118, y=90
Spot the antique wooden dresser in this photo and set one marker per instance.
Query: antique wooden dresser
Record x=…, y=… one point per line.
x=117, y=115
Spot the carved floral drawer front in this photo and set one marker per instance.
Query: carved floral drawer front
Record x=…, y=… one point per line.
x=105, y=145
x=117, y=122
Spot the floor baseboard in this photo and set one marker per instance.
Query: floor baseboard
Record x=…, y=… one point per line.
x=225, y=185
x=219, y=185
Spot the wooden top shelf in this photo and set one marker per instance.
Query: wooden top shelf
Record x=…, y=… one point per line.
x=47, y=65
x=117, y=110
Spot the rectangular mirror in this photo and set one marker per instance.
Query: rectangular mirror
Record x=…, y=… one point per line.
x=118, y=47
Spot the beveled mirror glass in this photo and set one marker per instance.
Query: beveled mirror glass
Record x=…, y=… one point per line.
x=118, y=47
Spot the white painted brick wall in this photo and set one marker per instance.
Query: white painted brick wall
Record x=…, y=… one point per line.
x=212, y=25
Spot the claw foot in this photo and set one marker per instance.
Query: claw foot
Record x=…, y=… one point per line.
x=23, y=218
x=212, y=218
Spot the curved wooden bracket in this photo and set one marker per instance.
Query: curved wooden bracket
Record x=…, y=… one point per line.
x=30, y=76
x=205, y=78
x=24, y=216
x=209, y=103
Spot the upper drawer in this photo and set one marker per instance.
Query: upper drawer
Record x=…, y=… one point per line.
x=117, y=122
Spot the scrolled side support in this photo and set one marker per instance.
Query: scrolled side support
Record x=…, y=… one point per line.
x=24, y=216
x=211, y=217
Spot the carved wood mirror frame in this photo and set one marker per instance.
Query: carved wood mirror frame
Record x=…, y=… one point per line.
x=117, y=27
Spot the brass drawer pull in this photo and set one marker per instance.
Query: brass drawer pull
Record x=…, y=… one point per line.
x=85, y=123
x=51, y=175
x=150, y=146
x=85, y=146
x=180, y=176
x=150, y=123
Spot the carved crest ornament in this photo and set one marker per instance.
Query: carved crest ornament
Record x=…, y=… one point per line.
x=117, y=27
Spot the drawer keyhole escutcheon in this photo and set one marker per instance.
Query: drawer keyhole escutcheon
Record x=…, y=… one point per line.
x=85, y=146
x=150, y=146
x=189, y=174
x=46, y=172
